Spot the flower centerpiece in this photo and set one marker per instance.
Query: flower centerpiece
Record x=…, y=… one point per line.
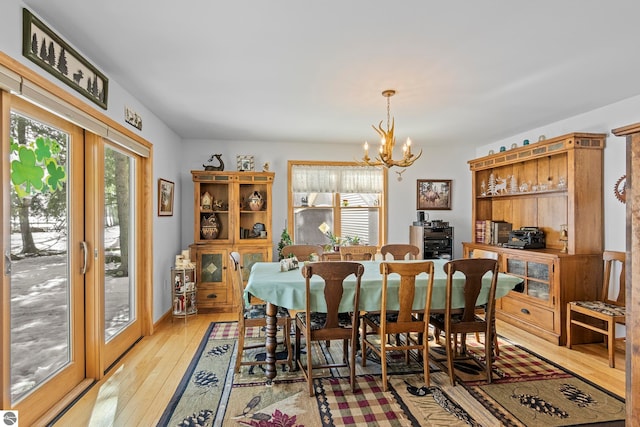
x=336, y=241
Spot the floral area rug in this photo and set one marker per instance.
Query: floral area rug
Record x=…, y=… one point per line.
x=526, y=390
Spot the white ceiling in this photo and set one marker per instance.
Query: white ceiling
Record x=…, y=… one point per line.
x=466, y=72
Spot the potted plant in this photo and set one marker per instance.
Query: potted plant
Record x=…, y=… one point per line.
x=285, y=240
x=353, y=240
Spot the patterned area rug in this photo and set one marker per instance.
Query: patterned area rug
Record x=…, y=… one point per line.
x=526, y=390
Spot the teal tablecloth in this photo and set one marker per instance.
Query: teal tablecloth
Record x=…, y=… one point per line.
x=287, y=289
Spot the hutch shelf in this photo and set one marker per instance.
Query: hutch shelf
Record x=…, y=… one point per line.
x=550, y=184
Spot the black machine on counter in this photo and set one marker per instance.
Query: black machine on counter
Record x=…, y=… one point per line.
x=435, y=237
x=526, y=238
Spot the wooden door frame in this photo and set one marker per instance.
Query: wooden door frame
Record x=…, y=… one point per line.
x=145, y=225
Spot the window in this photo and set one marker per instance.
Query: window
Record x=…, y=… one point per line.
x=347, y=197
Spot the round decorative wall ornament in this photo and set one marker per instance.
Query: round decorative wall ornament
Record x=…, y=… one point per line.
x=620, y=189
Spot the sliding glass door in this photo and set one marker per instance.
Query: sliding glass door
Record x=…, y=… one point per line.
x=71, y=286
x=122, y=325
x=46, y=259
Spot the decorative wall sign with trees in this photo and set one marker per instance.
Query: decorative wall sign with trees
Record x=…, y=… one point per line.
x=49, y=51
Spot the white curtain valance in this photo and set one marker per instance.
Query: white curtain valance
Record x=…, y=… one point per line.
x=336, y=179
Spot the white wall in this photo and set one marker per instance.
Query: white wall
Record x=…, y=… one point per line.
x=166, y=147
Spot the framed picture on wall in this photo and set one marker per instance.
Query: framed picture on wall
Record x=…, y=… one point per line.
x=433, y=194
x=165, y=197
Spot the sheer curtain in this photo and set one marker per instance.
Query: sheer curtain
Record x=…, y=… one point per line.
x=336, y=179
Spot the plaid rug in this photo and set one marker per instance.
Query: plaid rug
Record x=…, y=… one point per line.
x=526, y=390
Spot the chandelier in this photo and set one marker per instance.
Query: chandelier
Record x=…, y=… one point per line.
x=388, y=141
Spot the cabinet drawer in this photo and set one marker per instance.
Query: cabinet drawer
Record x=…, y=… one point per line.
x=527, y=312
x=212, y=295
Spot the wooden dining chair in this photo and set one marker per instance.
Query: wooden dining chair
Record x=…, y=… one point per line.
x=464, y=320
x=329, y=325
x=302, y=252
x=378, y=326
x=251, y=315
x=358, y=252
x=400, y=251
x=603, y=314
x=483, y=253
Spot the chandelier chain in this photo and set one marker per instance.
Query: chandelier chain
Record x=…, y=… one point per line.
x=388, y=111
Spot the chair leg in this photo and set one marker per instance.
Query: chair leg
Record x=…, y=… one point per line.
x=241, y=333
x=363, y=346
x=450, y=355
x=488, y=352
x=297, y=351
x=352, y=365
x=425, y=361
x=383, y=361
x=287, y=343
x=568, y=326
x=611, y=336
x=309, y=368
x=494, y=333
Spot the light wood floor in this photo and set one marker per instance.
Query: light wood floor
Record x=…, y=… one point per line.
x=136, y=391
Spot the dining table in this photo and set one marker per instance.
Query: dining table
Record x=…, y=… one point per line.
x=287, y=289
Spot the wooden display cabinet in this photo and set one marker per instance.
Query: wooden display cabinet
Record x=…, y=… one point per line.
x=237, y=227
x=547, y=184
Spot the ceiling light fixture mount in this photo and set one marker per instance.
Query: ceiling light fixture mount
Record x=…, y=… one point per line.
x=388, y=141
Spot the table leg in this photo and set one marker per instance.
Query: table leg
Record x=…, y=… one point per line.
x=271, y=341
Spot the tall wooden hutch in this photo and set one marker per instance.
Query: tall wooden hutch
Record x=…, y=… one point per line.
x=563, y=179
x=226, y=219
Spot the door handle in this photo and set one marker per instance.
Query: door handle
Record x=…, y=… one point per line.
x=85, y=253
x=7, y=263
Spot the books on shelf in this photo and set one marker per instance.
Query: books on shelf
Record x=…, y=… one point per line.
x=492, y=232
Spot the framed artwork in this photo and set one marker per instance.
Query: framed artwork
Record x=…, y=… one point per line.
x=245, y=163
x=434, y=194
x=165, y=197
x=45, y=48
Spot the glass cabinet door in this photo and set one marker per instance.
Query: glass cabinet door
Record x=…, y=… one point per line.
x=212, y=279
x=537, y=277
